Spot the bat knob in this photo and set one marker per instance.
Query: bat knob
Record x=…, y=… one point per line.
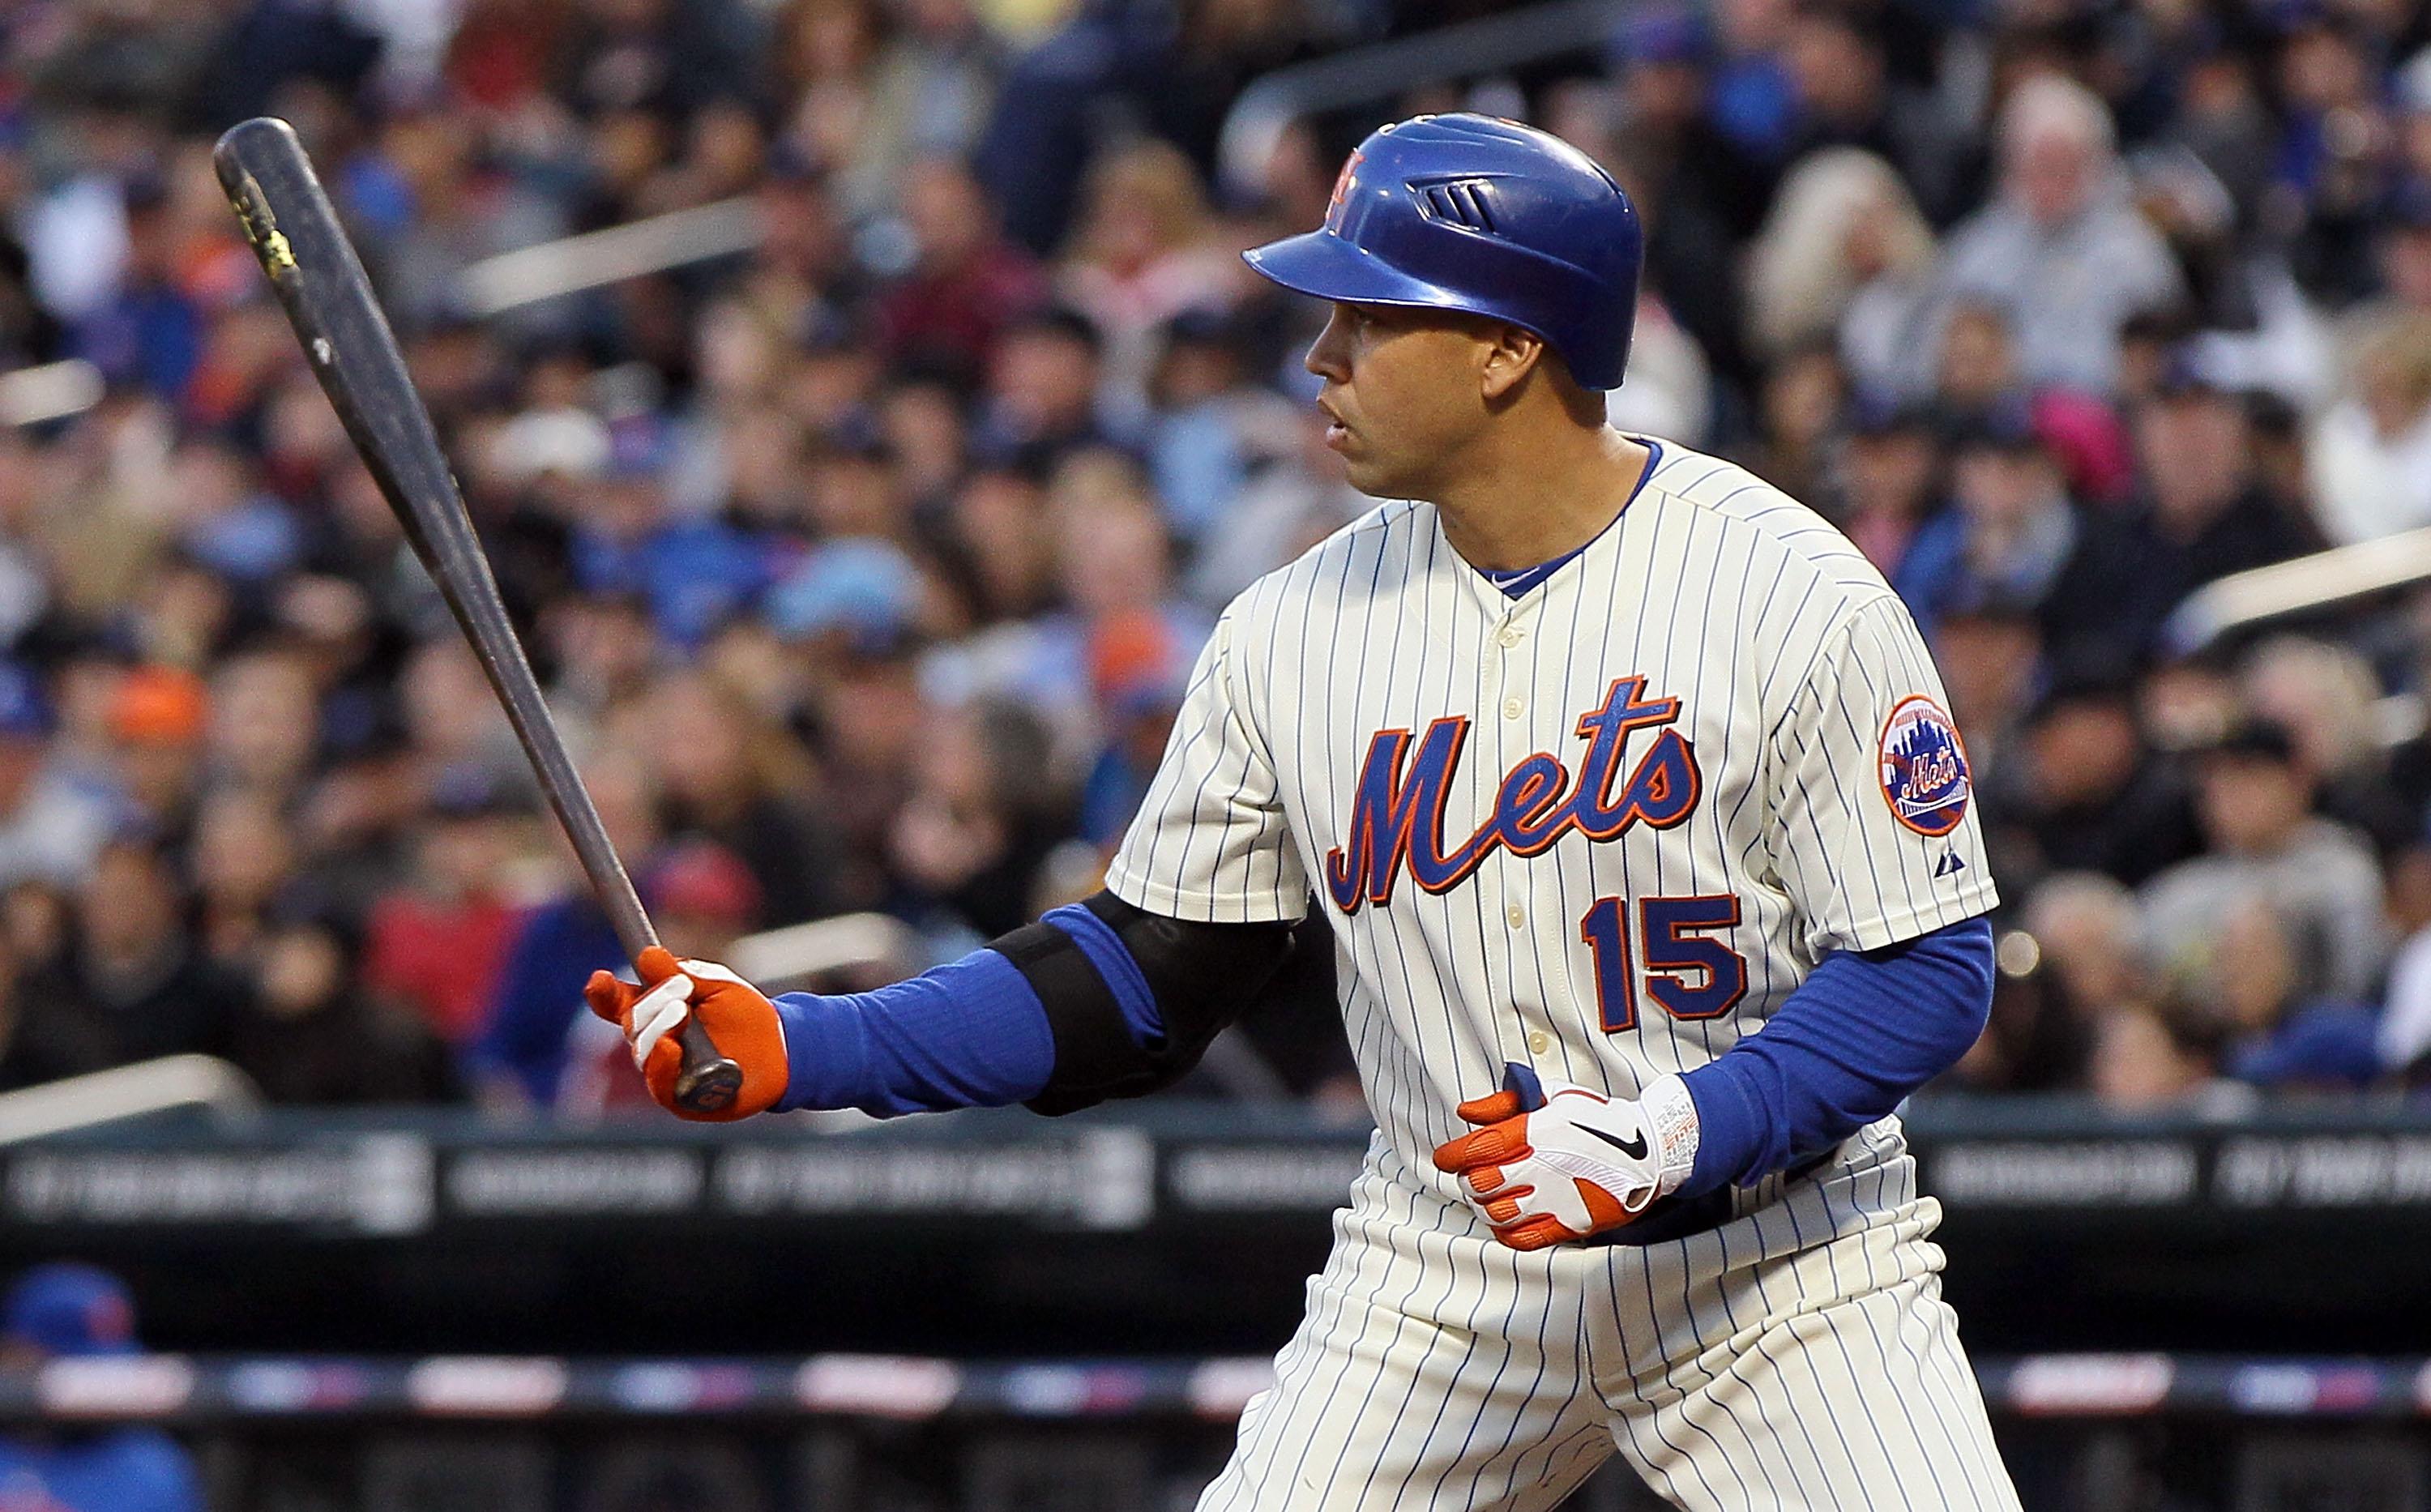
x=706, y=1081
x=1524, y=1081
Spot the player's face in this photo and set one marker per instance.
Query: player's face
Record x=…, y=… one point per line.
x=1401, y=393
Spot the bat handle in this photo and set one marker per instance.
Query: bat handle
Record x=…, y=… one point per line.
x=706, y=1081
x=1521, y=1080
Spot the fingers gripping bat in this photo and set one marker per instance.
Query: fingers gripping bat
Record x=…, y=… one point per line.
x=328, y=300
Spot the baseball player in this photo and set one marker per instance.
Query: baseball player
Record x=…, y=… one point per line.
x=1644, y=833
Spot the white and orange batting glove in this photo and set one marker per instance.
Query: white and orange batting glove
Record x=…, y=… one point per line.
x=739, y=1018
x=1552, y=1169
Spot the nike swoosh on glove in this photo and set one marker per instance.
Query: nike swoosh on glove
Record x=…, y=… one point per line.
x=741, y=1021
x=1576, y=1164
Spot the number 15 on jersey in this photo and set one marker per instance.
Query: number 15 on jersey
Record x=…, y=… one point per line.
x=1689, y=972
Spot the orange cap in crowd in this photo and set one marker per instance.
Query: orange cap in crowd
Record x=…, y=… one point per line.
x=163, y=705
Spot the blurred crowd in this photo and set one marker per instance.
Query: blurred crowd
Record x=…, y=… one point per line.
x=863, y=566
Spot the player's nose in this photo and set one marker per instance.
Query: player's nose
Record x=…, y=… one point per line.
x=1325, y=356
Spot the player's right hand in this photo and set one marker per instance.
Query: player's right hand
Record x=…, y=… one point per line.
x=1577, y=1164
x=739, y=1018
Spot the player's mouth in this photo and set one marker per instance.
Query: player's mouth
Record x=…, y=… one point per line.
x=1336, y=432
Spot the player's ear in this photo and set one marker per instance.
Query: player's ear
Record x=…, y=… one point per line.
x=1511, y=354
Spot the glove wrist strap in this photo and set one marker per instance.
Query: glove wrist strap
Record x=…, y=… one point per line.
x=1671, y=1120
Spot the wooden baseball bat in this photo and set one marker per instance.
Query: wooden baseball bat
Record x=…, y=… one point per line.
x=328, y=300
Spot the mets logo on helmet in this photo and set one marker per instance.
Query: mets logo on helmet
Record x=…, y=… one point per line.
x=1925, y=775
x=1342, y=183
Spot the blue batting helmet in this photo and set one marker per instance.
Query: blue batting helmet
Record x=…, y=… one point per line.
x=1489, y=216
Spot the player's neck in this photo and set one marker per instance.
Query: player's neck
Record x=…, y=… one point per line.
x=1544, y=496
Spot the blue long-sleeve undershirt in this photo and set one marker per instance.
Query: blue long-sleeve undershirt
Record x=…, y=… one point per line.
x=1860, y=1034
x=1856, y=1037
x=970, y=1034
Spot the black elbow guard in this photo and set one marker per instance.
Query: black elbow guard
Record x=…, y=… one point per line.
x=1199, y=975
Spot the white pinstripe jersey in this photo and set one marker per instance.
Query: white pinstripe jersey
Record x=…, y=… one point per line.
x=1605, y=827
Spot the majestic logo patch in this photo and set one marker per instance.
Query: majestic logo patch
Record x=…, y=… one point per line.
x=1925, y=776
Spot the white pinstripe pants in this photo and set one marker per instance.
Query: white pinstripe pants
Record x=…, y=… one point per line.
x=1797, y=1358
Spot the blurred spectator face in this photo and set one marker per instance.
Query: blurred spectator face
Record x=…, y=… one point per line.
x=2250, y=804
x=1838, y=73
x=952, y=827
x=466, y=855
x=2321, y=70
x=705, y=763
x=2087, y=928
x=874, y=715
x=22, y=754
x=34, y=917
x=924, y=426
x=304, y=439
x=264, y=720
x=736, y=352
x=1298, y=177
x=182, y=612
x=453, y=368
x=724, y=151
x=753, y=660
x=1192, y=371
x=2393, y=375
x=2196, y=450
x=766, y=481
x=704, y=898
x=2409, y=890
x=364, y=509
x=157, y=717
x=2084, y=749
x=1114, y=558
x=1142, y=202
x=2253, y=971
x=2143, y=358
x=2003, y=488
x=2324, y=695
x=128, y=908
x=243, y=850
x=628, y=508
x=332, y=619
x=604, y=646
x=1803, y=395
x=2056, y=146
x=854, y=493
x=86, y=691
x=448, y=706
x=1988, y=665
x=2187, y=704
x=207, y=479
x=621, y=790
x=948, y=214
x=2406, y=263
x=1892, y=471
x=2137, y=1062
x=300, y=970
x=830, y=385
x=1666, y=94
x=1977, y=359
x=1045, y=378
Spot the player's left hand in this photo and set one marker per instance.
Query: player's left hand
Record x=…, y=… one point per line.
x=1575, y=1164
x=740, y=1019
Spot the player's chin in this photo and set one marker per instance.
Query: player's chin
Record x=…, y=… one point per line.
x=1371, y=478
